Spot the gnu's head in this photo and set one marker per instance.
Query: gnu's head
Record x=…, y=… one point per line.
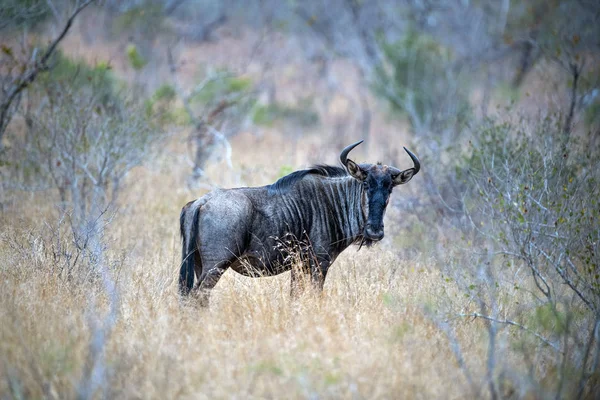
x=378, y=181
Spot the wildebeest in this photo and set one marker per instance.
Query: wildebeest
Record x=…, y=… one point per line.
x=324, y=208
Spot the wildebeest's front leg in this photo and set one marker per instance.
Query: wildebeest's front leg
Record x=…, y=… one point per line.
x=312, y=267
x=318, y=272
x=299, y=277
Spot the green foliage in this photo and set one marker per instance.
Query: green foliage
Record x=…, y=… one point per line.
x=80, y=75
x=555, y=35
x=238, y=84
x=267, y=115
x=161, y=106
x=165, y=92
x=147, y=20
x=58, y=355
x=81, y=115
x=23, y=13
x=400, y=331
x=417, y=80
x=589, y=86
x=179, y=116
x=223, y=96
x=266, y=367
x=285, y=170
x=592, y=113
x=220, y=88
x=549, y=319
x=135, y=58
x=263, y=115
x=506, y=92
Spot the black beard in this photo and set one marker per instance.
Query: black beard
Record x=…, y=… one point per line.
x=364, y=241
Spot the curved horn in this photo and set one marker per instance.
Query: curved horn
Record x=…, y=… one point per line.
x=344, y=154
x=416, y=162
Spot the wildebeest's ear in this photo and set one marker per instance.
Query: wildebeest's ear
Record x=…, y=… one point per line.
x=403, y=176
x=356, y=171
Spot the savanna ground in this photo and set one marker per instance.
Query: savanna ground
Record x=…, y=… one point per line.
x=366, y=337
x=438, y=309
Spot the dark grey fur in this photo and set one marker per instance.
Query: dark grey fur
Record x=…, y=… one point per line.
x=317, y=212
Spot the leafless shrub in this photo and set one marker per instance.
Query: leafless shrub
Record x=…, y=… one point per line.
x=81, y=140
x=82, y=145
x=84, y=149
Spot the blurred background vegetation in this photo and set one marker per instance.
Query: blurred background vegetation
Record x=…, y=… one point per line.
x=500, y=100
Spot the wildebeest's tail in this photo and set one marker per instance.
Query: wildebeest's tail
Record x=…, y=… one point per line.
x=189, y=252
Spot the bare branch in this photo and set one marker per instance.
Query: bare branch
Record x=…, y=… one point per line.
x=566, y=279
x=588, y=350
x=172, y=5
x=475, y=315
x=575, y=72
x=25, y=79
x=53, y=9
x=456, y=350
x=225, y=142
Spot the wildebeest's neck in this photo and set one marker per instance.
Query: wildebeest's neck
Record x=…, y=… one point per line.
x=327, y=209
x=345, y=196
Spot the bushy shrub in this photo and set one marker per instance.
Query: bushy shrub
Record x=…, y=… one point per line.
x=146, y=19
x=83, y=137
x=23, y=13
x=538, y=201
x=528, y=255
x=216, y=89
x=79, y=75
x=163, y=108
x=267, y=115
x=135, y=58
x=419, y=80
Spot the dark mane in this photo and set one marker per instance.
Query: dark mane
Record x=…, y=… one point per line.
x=285, y=183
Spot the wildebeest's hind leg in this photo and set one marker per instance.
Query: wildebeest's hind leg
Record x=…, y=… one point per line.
x=190, y=265
x=190, y=256
x=224, y=225
x=208, y=279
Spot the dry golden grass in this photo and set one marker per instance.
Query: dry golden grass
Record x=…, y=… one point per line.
x=370, y=334
x=367, y=336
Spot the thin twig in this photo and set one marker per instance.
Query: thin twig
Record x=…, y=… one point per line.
x=566, y=279
x=225, y=142
x=513, y=323
x=455, y=347
x=575, y=70
x=25, y=79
